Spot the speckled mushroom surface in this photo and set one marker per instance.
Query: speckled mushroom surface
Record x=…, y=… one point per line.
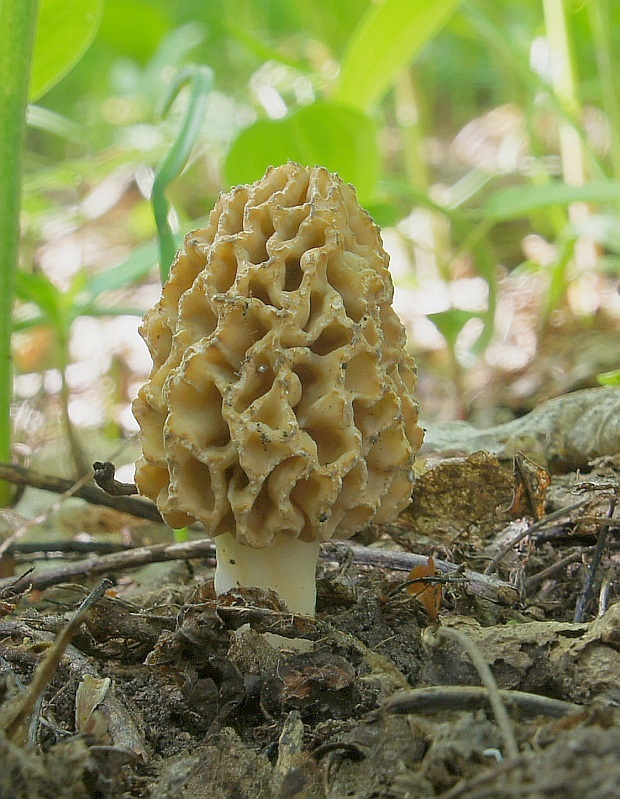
x=281, y=394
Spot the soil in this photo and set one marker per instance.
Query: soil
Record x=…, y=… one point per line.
x=166, y=691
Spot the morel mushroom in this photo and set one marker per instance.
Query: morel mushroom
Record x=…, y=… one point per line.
x=279, y=411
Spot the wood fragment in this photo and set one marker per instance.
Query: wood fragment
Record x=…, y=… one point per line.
x=78, y=664
x=558, y=566
x=563, y=433
x=103, y=474
x=482, y=585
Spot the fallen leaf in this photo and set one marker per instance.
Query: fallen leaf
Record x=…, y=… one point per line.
x=427, y=593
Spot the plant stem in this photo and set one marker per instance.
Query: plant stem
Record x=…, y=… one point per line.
x=565, y=88
x=410, y=111
x=80, y=460
x=17, y=26
x=200, y=80
x=412, y=134
x=601, y=26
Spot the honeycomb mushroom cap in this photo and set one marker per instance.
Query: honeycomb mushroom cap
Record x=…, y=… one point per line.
x=281, y=394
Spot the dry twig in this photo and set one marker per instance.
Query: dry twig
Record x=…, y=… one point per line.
x=17, y=713
x=490, y=588
x=584, y=596
x=532, y=529
x=494, y=696
x=439, y=698
x=136, y=506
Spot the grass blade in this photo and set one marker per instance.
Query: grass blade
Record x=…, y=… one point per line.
x=389, y=37
x=200, y=81
x=518, y=201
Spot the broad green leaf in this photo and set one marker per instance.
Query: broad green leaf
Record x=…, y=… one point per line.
x=65, y=29
x=321, y=134
x=388, y=38
x=517, y=201
x=121, y=20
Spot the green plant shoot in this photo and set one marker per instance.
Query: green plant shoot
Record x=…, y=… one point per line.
x=200, y=80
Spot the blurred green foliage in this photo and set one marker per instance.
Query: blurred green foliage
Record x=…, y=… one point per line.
x=379, y=91
x=312, y=81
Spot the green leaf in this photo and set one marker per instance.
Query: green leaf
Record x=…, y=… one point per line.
x=134, y=268
x=51, y=122
x=609, y=378
x=110, y=310
x=385, y=214
x=321, y=134
x=451, y=322
x=389, y=36
x=256, y=45
x=121, y=20
x=30, y=322
x=200, y=81
x=65, y=29
x=517, y=201
x=39, y=290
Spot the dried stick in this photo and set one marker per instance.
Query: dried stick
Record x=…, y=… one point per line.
x=117, y=561
x=78, y=664
x=487, y=587
x=28, y=524
x=482, y=585
x=19, y=712
x=532, y=529
x=584, y=596
x=136, y=506
x=495, y=699
x=69, y=547
x=559, y=565
x=439, y=698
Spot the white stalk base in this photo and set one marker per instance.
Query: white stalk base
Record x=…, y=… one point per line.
x=288, y=567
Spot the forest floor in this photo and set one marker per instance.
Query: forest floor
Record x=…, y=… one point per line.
x=159, y=689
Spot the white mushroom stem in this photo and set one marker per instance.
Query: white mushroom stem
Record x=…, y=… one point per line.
x=288, y=567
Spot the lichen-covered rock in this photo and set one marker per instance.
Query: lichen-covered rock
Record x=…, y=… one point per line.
x=281, y=394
